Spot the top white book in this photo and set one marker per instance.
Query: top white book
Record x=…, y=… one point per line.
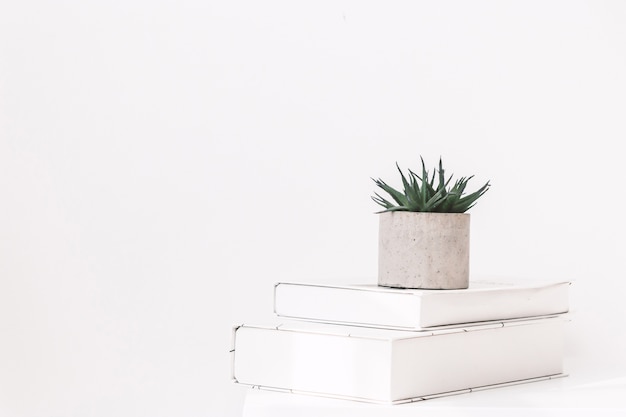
x=404, y=309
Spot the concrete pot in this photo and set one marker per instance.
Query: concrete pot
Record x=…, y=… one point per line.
x=423, y=250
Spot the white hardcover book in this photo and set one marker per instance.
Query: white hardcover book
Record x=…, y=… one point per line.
x=393, y=366
x=374, y=306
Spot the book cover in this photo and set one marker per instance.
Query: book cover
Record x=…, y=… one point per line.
x=371, y=305
x=392, y=366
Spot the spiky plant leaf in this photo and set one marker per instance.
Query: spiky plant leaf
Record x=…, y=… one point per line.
x=420, y=194
x=395, y=194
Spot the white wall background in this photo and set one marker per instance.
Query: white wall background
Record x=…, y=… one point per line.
x=164, y=163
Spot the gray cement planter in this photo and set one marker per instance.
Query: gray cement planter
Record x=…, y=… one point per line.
x=423, y=250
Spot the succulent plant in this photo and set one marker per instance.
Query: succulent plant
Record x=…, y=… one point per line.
x=420, y=193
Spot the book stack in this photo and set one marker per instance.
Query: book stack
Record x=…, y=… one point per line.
x=391, y=346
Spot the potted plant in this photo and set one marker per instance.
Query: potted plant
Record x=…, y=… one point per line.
x=424, y=231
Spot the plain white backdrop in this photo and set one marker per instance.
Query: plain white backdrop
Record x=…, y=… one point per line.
x=164, y=163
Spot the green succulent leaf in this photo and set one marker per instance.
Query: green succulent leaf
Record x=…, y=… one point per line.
x=420, y=194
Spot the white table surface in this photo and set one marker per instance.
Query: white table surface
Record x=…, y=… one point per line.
x=568, y=396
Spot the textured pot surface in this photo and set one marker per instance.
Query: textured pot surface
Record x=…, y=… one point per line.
x=423, y=250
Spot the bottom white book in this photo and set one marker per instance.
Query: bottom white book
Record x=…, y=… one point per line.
x=392, y=366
